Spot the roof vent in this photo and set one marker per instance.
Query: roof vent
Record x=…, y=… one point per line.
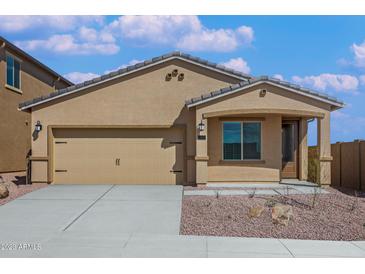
x=168, y=77
x=263, y=92
x=181, y=77
x=175, y=72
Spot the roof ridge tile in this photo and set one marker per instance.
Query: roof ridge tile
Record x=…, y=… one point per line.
x=250, y=80
x=263, y=78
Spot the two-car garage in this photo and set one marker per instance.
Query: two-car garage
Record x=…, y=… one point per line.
x=118, y=155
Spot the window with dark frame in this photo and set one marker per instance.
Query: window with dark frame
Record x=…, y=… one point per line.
x=12, y=72
x=241, y=140
x=232, y=141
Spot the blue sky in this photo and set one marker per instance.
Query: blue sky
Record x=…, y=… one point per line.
x=325, y=53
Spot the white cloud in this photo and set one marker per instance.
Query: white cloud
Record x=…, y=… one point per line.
x=347, y=126
x=338, y=82
x=80, y=38
x=10, y=23
x=92, y=35
x=362, y=79
x=339, y=114
x=245, y=33
x=68, y=44
x=278, y=76
x=223, y=40
x=237, y=64
x=79, y=77
x=182, y=32
x=88, y=34
x=130, y=63
x=359, y=51
x=155, y=29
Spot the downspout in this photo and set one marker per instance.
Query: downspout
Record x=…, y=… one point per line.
x=317, y=168
x=310, y=120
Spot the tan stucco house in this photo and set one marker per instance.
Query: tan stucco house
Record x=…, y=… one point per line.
x=22, y=77
x=177, y=119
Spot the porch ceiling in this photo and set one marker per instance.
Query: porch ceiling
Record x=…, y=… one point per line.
x=265, y=111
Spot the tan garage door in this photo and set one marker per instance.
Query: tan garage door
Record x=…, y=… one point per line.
x=118, y=156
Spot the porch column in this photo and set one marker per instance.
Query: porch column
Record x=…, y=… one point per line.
x=303, y=149
x=324, y=149
x=201, y=157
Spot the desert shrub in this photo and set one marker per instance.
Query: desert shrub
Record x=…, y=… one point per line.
x=313, y=165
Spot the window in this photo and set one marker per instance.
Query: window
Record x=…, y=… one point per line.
x=232, y=141
x=251, y=140
x=12, y=72
x=241, y=141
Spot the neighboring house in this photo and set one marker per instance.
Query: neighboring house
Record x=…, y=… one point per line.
x=21, y=78
x=178, y=119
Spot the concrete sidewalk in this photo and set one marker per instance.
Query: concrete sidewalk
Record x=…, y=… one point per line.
x=71, y=244
x=256, y=189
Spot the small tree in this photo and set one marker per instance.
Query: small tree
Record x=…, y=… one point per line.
x=313, y=165
x=355, y=202
x=316, y=192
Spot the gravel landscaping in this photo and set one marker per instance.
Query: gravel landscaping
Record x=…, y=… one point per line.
x=15, y=182
x=338, y=215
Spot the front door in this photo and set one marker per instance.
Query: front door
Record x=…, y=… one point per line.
x=289, y=133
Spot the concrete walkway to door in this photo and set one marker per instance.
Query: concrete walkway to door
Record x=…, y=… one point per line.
x=129, y=221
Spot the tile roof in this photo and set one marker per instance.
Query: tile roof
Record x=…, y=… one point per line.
x=129, y=69
x=237, y=87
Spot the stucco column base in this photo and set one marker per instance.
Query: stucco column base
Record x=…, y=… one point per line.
x=324, y=152
x=303, y=149
x=201, y=170
x=325, y=171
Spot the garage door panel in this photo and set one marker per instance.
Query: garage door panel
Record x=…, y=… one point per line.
x=124, y=156
x=79, y=162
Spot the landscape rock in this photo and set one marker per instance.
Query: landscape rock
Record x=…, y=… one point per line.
x=270, y=203
x=281, y=214
x=4, y=191
x=256, y=211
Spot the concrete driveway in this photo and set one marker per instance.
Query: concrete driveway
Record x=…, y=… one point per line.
x=95, y=208
x=84, y=210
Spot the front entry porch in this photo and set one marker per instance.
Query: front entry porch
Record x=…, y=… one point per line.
x=258, y=146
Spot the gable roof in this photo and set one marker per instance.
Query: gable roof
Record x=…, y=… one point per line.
x=32, y=59
x=264, y=79
x=130, y=69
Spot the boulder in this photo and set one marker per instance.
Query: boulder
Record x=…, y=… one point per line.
x=255, y=211
x=281, y=214
x=4, y=191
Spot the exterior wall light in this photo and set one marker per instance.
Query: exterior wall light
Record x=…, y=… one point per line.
x=38, y=126
x=201, y=126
